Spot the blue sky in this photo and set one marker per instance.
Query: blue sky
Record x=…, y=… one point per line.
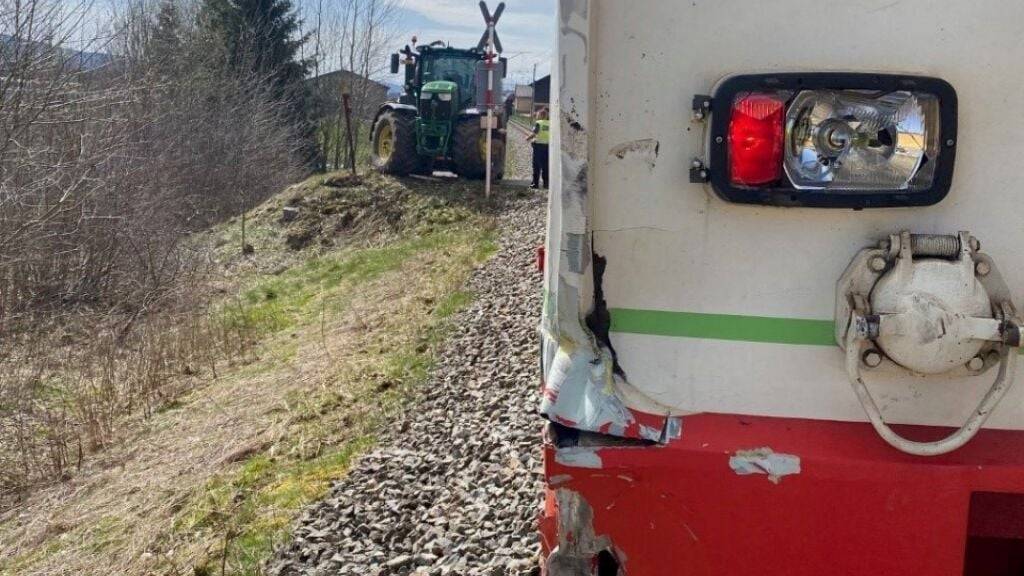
x=527, y=29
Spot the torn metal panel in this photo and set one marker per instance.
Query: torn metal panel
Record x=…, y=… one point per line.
x=764, y=461
x=580, y=381
x=673, y=428
x=688, y=504
x=598, y=319
x=578, y=393
x=577, y=252
x=614, y=520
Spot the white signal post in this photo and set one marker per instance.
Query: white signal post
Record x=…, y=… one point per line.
x=489, y=55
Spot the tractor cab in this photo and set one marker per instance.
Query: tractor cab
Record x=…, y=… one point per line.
x=452, y=65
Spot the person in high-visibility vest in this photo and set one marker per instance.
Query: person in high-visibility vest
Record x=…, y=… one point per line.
x=540, y=138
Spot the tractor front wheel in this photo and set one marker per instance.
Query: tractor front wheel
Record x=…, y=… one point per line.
x=469, y=150
x=394, y=144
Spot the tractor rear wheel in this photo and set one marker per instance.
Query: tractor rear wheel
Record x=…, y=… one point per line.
x=469, y=150
x=394, y=144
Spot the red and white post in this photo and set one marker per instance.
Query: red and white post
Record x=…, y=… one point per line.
x=489, y=42
x=489, y=101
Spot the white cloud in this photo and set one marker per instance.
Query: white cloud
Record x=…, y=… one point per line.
x=466, y=14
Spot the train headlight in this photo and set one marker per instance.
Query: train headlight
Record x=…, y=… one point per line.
x=853, y=140
x=832, y=140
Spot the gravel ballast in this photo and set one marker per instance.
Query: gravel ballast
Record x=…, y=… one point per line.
x=454, y=486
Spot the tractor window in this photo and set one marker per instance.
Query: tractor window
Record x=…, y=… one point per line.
x=459, y=70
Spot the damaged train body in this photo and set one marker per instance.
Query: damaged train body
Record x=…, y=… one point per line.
x=780, y=328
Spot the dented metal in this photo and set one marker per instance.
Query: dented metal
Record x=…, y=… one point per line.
x=581, y=383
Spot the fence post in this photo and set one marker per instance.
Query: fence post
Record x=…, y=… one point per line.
x=348, y=128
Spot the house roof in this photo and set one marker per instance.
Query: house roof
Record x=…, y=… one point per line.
x=345, y=75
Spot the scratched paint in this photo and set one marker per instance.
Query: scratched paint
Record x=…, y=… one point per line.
x=577, y=541
x=764, y=461
x=644, y=150
x=559, y=479
x=578, y=457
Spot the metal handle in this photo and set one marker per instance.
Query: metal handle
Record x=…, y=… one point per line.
x=1002, y=384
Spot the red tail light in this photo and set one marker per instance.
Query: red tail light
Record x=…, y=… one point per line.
x=755, y=139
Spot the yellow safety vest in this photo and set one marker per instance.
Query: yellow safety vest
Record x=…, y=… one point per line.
x=544, y=133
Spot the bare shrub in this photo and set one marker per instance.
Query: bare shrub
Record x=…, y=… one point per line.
x=357, y=36
x=108, y=164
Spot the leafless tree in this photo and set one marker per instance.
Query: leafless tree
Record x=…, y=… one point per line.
x=114, y=149
x=356, y=36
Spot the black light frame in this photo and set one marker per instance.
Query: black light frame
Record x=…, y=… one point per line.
x=783, y=193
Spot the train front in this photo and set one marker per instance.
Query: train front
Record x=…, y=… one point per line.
x=780, y=330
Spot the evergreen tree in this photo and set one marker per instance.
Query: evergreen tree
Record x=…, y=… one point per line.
x=258, y=36
x=165, y=45
x=262, y=39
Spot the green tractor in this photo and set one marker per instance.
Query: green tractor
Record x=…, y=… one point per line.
x=438, y=122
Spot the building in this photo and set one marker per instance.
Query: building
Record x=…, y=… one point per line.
x=531, y=97
x=523, y=102
x=542, y=92
x=367, y=95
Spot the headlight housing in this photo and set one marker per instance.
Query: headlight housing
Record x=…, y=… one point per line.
x=833, y=140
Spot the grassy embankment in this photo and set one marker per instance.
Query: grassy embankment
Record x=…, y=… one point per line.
x=351, y=300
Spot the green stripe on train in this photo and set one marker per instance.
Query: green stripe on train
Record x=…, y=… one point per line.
x=724, y=327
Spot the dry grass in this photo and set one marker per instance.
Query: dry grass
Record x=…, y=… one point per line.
x=69, y=382
x=217, y=475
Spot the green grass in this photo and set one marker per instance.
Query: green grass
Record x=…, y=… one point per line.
x=229, y=235
x=452, y=303
x=108, y=532
x=21, y=563
x=280, y=302
x=250, y=509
